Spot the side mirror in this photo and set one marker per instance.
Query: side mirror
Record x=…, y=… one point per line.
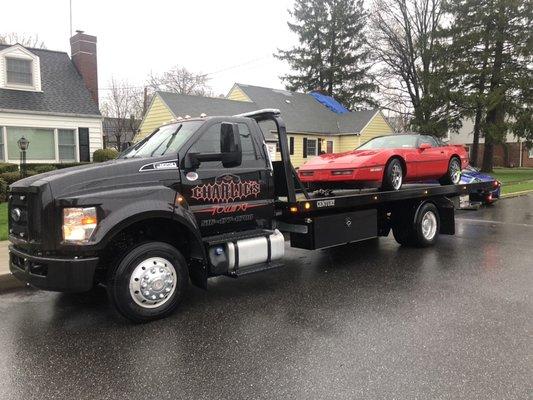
x=230, y=145
x=230, y=149
x=424, y=146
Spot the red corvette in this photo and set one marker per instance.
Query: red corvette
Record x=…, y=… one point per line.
x=387, y=162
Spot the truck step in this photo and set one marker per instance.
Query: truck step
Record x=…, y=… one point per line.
x=255, y=268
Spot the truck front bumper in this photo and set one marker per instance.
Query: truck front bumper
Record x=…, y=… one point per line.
x=57, y=274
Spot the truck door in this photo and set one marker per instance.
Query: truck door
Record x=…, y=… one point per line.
x=229, y=199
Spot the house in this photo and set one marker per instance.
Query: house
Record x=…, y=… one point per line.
x=512, y=153
x=315, y=123
x=124, y=129
x=51, y=100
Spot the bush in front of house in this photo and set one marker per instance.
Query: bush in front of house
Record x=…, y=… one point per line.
x=3, y=190
x=40, y=169
x=101, y=155
x=10, y=177
x=8, y=167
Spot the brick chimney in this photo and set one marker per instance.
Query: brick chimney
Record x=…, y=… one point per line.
x=83, y=53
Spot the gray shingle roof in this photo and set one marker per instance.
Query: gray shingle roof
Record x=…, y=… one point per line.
x=181, y=105
x=303, y=113
x=63, y=90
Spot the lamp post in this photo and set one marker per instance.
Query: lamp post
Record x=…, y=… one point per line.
x=23, y=144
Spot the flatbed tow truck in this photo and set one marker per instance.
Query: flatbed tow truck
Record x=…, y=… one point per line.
x=198, y=198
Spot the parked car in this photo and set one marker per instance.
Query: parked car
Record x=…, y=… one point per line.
x=387, y=162
x=473, y=175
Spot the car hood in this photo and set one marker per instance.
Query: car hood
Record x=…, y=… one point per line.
x=115, y=174
x=350, y=159
x=478, y=176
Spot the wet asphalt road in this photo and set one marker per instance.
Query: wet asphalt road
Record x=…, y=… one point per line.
x=370, y=320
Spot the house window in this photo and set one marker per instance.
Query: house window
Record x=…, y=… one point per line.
x=42, y=144
x=329, y=146
x=66, y=145
x=311, y=147
x=531, y=152
x=291, y=145
x=19, y=71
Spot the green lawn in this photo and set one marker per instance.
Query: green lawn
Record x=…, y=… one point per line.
x=3, y=221
x=514, y=179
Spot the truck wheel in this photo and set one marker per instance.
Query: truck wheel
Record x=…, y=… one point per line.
x=149, y=282
x=427, y=225
x=393, y=176
x=422, y=232
x=453, y=175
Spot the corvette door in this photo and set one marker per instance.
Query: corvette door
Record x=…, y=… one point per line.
x=432, y=161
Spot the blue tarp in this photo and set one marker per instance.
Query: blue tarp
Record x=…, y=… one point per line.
x=330, y=103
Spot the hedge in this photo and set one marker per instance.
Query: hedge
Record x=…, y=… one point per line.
x=101, y=155
x=3, y=190
x=8, y=167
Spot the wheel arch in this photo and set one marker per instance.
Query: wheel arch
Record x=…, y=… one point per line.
x=399, y=158
x=157, y=226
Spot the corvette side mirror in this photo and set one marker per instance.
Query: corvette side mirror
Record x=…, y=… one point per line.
x=424, y=146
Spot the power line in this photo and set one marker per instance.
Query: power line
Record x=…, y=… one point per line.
x=202, y=75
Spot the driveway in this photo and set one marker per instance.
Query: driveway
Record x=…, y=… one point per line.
x=370, y=320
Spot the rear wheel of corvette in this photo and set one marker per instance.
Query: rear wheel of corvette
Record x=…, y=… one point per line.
x=453, y=175
x=393, y=176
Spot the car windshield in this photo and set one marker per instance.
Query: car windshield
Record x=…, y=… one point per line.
x=390, y=142
x=166, y=140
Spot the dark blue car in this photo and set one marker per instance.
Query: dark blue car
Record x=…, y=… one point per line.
x=472, y=175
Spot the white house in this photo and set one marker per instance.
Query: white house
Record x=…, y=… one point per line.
x=51, y=100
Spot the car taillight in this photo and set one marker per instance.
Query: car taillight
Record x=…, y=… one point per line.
x=342, y=172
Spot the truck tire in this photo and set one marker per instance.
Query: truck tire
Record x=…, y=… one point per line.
x=149, y=282
x=423, y=231
x=393, y=176
x=453, y=174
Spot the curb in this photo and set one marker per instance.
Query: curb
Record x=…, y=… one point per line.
x=516, y=194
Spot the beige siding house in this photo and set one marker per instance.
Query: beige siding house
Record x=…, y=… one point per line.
x=312, y=127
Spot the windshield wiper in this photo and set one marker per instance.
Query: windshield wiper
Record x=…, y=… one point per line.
x=173, y=136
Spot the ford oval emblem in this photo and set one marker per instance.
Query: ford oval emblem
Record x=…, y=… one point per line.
x=16, y=214
x=192, y=176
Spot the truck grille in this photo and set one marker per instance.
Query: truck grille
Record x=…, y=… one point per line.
x=19, y=219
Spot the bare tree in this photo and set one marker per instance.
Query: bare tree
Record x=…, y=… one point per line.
x=123, y=105
x=26, y=40
x=405, y=39
x=180, y=80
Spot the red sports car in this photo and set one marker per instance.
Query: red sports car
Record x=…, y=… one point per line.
x=387, y=162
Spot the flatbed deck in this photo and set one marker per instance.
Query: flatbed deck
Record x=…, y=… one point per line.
x=343, y=199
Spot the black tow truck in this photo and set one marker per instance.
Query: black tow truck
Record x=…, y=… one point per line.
x=196, y=199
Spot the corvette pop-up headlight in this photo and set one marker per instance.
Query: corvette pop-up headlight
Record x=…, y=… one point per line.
x=79, y=224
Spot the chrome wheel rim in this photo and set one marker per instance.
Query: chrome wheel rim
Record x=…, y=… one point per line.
x=396, y=176
x=455, y=171
x=153, y=282
x=429, y=225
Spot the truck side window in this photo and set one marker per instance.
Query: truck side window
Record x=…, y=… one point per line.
x=209, y=142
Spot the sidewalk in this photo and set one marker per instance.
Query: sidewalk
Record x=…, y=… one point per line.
x=7, y=281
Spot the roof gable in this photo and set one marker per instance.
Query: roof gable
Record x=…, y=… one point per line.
x=62, y=89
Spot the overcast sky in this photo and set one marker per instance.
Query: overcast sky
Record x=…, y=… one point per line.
x=232, y=40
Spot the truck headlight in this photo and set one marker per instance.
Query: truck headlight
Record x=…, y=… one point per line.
x=79, y=223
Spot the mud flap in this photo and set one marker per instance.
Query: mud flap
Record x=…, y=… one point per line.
x=198, y=273
x=446, y=209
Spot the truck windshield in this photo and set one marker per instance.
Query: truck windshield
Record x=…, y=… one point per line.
x=166, y=140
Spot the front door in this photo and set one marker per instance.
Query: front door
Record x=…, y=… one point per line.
x=229, y=199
